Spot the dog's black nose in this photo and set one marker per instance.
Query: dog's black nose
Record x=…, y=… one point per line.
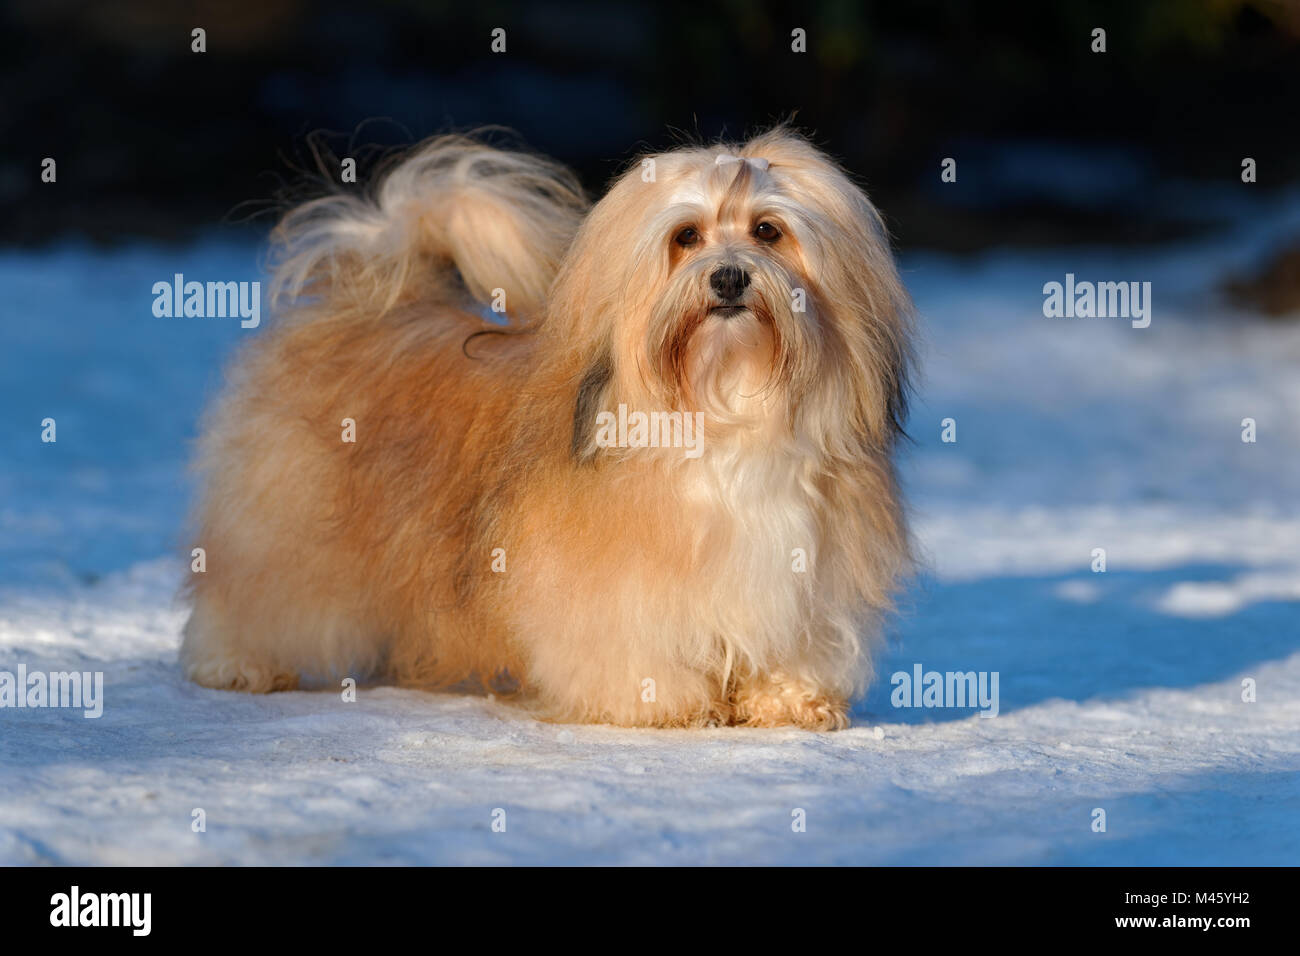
x=729, y=282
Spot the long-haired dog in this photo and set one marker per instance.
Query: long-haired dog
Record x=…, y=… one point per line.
x=397, y=488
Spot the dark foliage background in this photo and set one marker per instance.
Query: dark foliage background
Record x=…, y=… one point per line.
x=1054, y=143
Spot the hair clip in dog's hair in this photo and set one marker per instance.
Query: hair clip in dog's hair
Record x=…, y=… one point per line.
x=724, y=158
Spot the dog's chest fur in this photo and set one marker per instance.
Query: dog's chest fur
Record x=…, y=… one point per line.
x=756, y=530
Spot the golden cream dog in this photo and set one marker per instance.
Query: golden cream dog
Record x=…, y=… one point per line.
x=396, y=488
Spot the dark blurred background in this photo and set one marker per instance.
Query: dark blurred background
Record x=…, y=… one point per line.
x=1054, y=143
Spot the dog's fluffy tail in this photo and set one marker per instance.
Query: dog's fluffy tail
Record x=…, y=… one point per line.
x=500, y=219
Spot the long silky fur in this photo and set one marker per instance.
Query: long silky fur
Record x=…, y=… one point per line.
x=473, y=533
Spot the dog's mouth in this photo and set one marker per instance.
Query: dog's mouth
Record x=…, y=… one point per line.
x=727, y=311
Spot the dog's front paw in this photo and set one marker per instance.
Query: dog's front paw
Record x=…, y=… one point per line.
x=779, y=701
x=231, y=674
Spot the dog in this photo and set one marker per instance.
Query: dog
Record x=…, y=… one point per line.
x=434, y=469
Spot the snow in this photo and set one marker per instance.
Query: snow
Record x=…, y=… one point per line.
x=1120, y=690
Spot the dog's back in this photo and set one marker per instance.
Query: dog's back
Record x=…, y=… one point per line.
x=363, y=391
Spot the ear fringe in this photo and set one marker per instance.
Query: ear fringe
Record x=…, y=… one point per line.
x=591, y=396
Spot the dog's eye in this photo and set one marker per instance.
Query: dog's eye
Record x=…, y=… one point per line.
x=687, y=237
x=766, y=232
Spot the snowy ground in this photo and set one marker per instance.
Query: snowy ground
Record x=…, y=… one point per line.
x=1120, y=691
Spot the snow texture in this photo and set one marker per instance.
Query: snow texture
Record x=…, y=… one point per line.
x=1119, y=690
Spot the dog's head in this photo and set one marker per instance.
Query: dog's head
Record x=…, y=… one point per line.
x=752, y=283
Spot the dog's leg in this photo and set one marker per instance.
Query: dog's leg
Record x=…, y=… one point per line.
x=780, y=700
x=212, y=655
x=603, y=681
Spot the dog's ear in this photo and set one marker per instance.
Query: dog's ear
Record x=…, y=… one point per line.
x=898, y=388
x=591, y=397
